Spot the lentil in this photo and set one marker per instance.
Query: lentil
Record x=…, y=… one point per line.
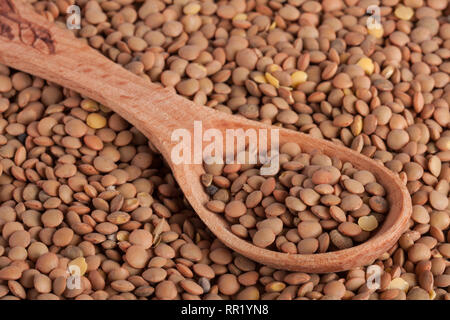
x=295, y=223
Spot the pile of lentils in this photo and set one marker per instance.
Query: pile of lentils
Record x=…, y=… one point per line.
x=81, y=188
x=314, y=204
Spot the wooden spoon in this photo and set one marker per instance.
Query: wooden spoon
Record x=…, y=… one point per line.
x=30, y=43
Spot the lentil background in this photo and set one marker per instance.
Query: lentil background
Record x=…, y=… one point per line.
x=79, y=186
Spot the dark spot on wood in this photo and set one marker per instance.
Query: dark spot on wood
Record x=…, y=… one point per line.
x=6, y=31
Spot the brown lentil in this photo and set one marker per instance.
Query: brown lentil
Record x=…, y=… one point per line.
x=304, y=219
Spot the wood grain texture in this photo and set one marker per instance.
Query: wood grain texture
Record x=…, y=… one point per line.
x=156, y=112
x=17, y=28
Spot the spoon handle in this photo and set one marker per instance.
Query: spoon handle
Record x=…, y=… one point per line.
x=28, y=42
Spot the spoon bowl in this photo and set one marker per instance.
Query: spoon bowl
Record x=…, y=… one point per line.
x=188, y=177
x=54, y=54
